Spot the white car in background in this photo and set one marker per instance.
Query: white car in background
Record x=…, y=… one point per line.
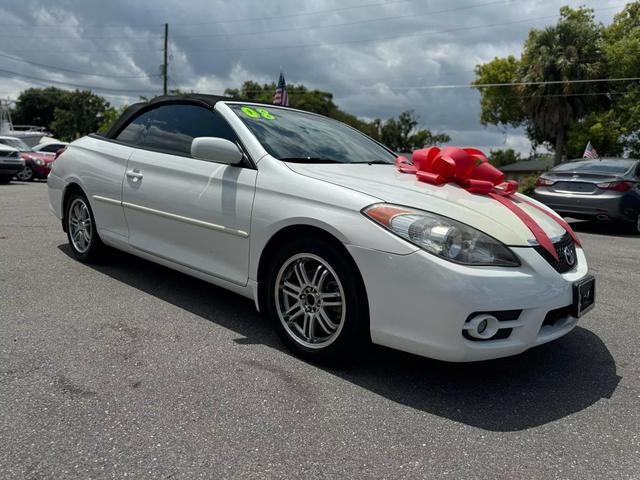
x=310, y=219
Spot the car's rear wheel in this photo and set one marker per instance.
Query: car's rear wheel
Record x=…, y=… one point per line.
x=26, y=174
x=81, y=229
x=315, y=296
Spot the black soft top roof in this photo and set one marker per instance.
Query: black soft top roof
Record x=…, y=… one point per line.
x=196, y=98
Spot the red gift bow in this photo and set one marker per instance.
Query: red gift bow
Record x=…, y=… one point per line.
x=470, y=169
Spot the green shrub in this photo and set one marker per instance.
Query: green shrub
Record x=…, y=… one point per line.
x=527, y=185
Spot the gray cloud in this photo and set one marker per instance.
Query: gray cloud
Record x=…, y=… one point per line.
x=219, y=44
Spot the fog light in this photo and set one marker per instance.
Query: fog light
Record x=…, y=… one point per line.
x=482, y=326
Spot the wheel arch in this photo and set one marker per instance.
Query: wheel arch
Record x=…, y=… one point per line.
x=69, y=189
x=298, y=231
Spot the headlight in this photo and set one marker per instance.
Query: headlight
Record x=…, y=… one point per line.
x=37, y=161
x=442, y=236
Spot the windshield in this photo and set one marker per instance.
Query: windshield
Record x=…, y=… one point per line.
x=15, y=143
x=294, y=136
x=602, y=166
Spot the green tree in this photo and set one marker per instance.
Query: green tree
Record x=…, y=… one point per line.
x=499, y=106
x=82, y=114
x=402, y=134
x=621, y=46
x=603, y=129
x=67, y=114
x=36, y=106
x=569, y=50
x=500, y=158
x=109, y=117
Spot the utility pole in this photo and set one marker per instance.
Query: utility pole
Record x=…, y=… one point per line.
x=165, y=65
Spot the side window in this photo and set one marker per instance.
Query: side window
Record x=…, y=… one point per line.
x=133, y=133
x=173, y=127
x=51, y=148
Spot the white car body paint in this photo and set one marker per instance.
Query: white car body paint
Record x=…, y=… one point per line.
x=213, y=221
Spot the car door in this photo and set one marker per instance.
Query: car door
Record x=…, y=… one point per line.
x=193, y=212
x=103, y=172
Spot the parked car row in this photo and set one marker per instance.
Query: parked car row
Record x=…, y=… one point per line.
x=35, y=162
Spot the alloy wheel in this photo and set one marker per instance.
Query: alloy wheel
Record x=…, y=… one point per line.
x=310, y=300
x=80, y=227
x=25, y=174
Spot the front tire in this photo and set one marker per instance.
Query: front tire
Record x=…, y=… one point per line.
x=81, y=229
x=316, y=300
x=26, y=174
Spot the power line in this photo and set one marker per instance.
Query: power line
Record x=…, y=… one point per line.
x=236, y=20
x=305, y=28
x=294, y=15
x=53, y=67
x=512, y=84
x=75, y=85
x=357, y=22
x=392, y=37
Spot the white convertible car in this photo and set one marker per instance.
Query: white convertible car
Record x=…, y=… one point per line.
x=310, y=219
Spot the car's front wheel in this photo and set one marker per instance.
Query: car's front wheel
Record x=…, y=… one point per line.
x=81, y=229
x=315, y=296
x=26, y=174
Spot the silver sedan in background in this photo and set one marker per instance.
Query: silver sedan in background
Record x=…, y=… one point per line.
x=602, y=189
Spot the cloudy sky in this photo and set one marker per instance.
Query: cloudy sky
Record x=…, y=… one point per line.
x=378, y=57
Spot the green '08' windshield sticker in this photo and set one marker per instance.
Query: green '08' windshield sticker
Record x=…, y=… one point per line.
x=258, y=113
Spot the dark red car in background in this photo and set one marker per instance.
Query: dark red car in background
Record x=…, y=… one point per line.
x=37, y=159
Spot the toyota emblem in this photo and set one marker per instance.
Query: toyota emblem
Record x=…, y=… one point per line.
x=569, y=255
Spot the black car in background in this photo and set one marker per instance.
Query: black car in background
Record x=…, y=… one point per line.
x=602, y=189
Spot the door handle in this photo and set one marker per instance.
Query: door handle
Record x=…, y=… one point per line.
x=134, y=175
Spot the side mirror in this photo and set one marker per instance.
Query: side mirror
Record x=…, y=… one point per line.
x=217, y=150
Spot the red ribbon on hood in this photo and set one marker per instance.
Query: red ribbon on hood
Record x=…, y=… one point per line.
x=470, y=169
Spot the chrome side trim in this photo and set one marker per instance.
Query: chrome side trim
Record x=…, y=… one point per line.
x=191, y=267
x=189, y=220
x=173, y=216
x=106, y=200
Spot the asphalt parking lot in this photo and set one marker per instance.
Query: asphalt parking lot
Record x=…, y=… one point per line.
x=131, y=369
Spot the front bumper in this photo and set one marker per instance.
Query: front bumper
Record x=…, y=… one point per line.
x=10, y=168
x=419, y=303
x=41, y=171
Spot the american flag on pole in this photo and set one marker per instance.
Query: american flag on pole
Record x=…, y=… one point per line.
x=590, y=152
x=281, y=97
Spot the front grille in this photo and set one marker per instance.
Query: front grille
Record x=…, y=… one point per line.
x=566, y=251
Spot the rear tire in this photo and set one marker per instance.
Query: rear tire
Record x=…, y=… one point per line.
x=316, y=299
x=81, y=229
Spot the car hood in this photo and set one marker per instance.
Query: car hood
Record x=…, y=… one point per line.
x=45, y=157
x=479, y=211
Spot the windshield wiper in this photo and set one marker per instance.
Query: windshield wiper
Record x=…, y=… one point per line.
x=309, y=160
x=377, y=162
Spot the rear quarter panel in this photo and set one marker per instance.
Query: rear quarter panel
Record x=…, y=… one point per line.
x=98, y=167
